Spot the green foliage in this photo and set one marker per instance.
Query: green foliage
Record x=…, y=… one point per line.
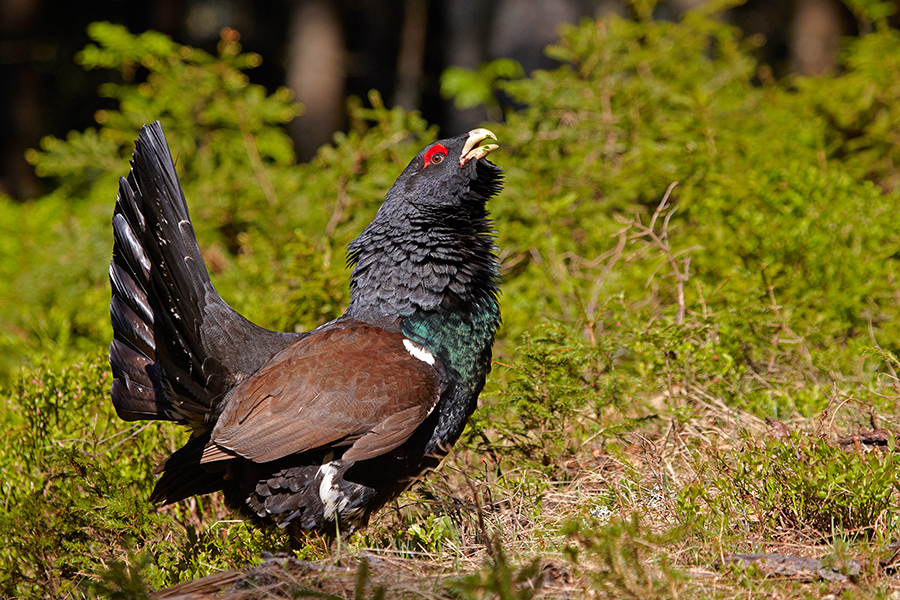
x=123, y=580
x=624, y=557
x=61, y=508
x=74, y=485
x=872, y=11
x=70, y=466
x=477, y=87
x=52, y=282
x=558, y=381
x=784, y=251
x=803, y=483
x=498, y=579
x=859, y=110
x=430, y=535
x=207, y=100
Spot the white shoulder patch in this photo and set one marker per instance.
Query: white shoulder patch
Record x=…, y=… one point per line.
x=419, y=352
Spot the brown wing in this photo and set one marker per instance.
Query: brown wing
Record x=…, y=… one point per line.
x=351, y=385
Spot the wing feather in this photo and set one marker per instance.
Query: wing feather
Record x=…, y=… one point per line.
x=348, y=385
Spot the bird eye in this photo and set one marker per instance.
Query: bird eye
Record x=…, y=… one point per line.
x=435, y=155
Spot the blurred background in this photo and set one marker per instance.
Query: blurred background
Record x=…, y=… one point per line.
x=327, y=51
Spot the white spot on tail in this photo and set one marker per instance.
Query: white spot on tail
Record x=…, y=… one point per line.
x=419, y=352
x=332, y=499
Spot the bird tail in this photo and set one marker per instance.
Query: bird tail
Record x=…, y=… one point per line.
x=178, y=347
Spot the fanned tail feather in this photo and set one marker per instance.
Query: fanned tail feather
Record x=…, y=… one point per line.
x=178, y=347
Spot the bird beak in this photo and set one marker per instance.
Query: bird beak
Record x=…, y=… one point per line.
x=471, y=149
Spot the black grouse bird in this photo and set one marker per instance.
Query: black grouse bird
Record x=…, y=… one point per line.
x=311, y=431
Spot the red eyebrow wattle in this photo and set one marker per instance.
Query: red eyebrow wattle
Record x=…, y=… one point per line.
x=436, y=149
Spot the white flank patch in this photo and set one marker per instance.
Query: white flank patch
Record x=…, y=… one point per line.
x=419, y=352
x=329, y=492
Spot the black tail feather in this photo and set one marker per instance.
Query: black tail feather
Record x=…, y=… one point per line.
x=178, y=347
x=183, y=476
x=190, y=480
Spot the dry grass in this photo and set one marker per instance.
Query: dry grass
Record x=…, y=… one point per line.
x=608, y=523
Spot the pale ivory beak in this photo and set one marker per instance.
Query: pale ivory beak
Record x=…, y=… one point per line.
x=472, y=150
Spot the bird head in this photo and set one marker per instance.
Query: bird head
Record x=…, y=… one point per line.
x=449, y=173
x=432, y=237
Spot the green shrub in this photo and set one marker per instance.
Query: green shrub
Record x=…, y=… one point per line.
x=623, y=557
x=74, y=481
x=787, y=252
x=801, y=483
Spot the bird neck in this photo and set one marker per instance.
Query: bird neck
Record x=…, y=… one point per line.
x=438, y=284
x=460, y=337
x=438, y=281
